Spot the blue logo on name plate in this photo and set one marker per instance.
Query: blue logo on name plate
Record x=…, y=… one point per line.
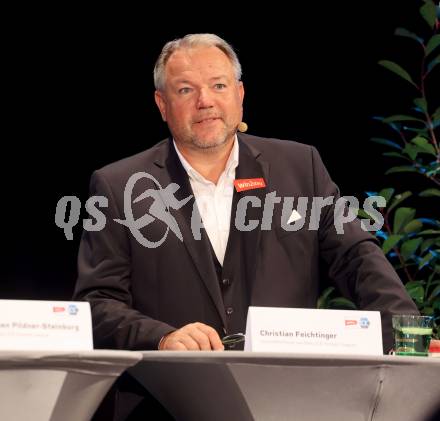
x=364, y=322
x=72, y=309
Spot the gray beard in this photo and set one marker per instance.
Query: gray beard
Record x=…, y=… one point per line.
x=199, y=144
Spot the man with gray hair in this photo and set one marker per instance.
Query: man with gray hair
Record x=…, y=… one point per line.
x=188, y=295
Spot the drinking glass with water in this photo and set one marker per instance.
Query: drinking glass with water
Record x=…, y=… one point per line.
x=412, y=334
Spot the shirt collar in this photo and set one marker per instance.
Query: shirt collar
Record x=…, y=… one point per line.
x=231, y=163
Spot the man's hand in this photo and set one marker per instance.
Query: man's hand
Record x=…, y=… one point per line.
x=192, y=337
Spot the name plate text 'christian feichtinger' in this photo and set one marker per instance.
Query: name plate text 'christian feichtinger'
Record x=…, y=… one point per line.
x=312, y=331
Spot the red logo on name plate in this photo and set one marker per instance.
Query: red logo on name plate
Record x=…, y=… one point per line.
x=351, y=322
x=58, y=309
x=244, y=184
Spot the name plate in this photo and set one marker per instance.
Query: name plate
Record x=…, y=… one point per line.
x=311, y=331
x=45, y=325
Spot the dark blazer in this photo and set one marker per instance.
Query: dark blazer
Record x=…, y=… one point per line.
x=139, y=294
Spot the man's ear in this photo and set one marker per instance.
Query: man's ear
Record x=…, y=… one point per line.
x=241, y=90
x=161, y=104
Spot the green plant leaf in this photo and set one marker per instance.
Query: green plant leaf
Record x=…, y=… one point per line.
x=341, y=302
x=436, y=304
x=434, y=293
x=421, y=132
x=426, y=244
x=398, y=70
x=415, y=291
x=401, y=117
x=408, y=248
x=427, y=311
x=430, y=193
x=422, y=104
x=433, y=172
x=424, y=145
x=386, y=142
x=412, y=284
x=403, y=168
x=323, y=299
x=402, y=32
x=436, y=115
x=390, y=242
x=433, y=63
x=413, y=226
x=429, y=232
x=418, y=145
x=399, y=198
x=387, y=193
x=426, y=259
x=402, y=217
x=394, y=155
x=411, y=150
x=432, y=44
x=362, y=214
x=428, y=11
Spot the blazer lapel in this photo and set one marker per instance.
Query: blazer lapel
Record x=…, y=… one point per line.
x=251, y=165
x=170, y=170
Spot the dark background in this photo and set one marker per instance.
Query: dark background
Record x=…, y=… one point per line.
x=83, y=94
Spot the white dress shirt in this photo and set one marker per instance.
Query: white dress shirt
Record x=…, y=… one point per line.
x=214, y=201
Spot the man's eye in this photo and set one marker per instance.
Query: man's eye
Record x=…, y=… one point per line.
x=185, y=90
x=220, y=86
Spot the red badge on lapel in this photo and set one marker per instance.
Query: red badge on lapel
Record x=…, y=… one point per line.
x=244, y=184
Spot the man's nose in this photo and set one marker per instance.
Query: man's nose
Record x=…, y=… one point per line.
x=205, y=99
